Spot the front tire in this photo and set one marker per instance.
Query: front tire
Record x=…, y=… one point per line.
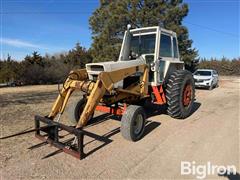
x=133, y=123
x=180, y=94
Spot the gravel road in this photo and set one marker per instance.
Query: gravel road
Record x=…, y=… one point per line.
x=210, y=134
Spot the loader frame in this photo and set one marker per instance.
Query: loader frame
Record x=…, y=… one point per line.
x=115, y=102
x=96, y=91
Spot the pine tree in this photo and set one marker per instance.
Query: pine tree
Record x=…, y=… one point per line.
x=78, y=56
x=109, y=22
x=36, y=58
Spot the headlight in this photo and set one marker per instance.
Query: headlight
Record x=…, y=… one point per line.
x=152, y=66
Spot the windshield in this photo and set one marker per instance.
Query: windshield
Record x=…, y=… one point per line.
x=144, y=44
x=203, y=73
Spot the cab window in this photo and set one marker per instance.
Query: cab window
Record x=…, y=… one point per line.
x=165, y=46
x=144, y=44
x=175, y=50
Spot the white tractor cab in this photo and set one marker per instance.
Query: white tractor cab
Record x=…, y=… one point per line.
x=158, y=47
x=155, y=46
x=207, y=78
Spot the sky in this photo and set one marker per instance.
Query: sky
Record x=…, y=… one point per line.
x=52, y=26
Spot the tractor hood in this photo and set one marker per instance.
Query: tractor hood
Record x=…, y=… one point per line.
x=96, y=68
x=93, y=69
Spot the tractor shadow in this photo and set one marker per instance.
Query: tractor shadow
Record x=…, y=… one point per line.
x=150, y=126
x=154, y=110
x=102, y=118
x=230, y=175
x=196, y=106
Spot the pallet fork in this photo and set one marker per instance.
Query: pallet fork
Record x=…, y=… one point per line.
x=52, y=131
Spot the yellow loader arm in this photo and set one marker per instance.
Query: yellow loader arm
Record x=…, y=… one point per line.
x=78, y=80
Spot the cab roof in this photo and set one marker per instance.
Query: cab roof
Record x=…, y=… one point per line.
x=151, y=29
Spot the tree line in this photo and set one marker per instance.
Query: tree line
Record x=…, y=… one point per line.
x=37, y=69
x=224, y=66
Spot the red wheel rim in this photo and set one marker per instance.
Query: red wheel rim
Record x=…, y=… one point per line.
x=187, y=95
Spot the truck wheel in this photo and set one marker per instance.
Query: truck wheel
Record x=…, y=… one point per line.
x=180, y=94
x=211, y=86
x=75, y=110
x=133, y=123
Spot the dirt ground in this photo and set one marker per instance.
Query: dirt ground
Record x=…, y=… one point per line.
x=211, y=133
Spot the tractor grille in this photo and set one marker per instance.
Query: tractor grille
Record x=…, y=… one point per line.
x=96, y=68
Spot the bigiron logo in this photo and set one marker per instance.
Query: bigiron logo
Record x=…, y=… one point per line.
x=200, y=171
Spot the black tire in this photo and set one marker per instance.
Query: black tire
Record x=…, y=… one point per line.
x=75, y=110
x=133, y=123
x=178, y=82
x=211, y=86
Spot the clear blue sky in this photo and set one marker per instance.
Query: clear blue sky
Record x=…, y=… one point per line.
x=51, y=26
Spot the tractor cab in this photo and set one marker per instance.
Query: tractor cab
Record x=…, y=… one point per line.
x=158, y=47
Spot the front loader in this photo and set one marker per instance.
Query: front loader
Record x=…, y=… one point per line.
x=148, y=69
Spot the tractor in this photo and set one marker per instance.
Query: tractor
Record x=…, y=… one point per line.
x=148, y=70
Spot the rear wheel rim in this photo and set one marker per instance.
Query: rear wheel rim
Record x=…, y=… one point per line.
x=138, y=124
x=187, y=95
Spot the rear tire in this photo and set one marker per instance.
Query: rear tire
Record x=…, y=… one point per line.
x=133, y=123
x=180, y=94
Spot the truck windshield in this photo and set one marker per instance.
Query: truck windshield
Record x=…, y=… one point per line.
x=143, y=44
x=203, y=73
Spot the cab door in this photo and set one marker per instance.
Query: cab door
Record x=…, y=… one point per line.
x=175, y=49
x=166, y=49
x=165, y=53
